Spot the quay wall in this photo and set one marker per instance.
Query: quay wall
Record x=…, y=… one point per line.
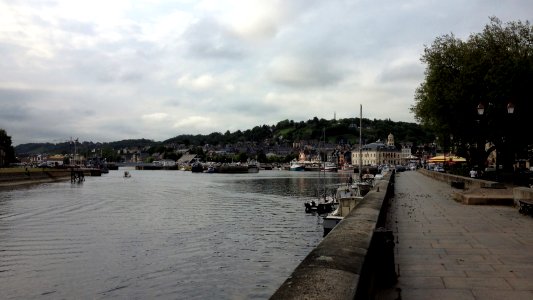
x=21, y=178
x=469, y=183
x=522, y=193
x=348, y=263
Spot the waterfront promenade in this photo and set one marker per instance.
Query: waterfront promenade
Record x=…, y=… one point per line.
x=448, y=250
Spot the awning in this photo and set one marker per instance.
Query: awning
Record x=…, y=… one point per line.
x=442, y=158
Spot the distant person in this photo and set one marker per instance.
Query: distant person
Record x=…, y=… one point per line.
x=473, y=173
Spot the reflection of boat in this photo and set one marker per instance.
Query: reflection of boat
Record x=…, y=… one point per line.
x=127, y=174
x=295, y=166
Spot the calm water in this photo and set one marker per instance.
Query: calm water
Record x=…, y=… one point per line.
x=165, y=234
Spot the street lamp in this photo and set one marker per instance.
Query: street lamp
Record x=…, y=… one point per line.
x=481, y=108
x=510, y=108
x=481, y=111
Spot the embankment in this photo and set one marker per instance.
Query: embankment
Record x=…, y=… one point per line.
x=34, y=176
x=473, y=191
x=354, y=259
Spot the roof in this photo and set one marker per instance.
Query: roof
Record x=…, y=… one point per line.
x=186, y=158
x=378, y=146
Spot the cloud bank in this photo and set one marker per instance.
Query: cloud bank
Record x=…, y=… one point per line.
x=111, y=70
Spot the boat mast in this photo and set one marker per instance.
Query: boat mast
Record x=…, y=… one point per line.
x=325, y=158
x=360, y=143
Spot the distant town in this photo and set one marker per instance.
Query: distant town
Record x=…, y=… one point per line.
x=334, y=141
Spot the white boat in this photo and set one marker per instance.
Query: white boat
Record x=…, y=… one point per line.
x=348, y=197
x=330, y=167
x=296, y=166
x=127, y=174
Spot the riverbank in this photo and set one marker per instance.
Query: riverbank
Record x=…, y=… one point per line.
x=16, y=177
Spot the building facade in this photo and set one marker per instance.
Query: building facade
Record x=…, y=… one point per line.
x=378, y=153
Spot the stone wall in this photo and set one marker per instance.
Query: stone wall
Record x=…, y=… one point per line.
x=343, y=265
x=522, y=193
x=23, y=178
x=470, y=183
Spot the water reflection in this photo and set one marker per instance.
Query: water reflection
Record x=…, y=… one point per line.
x=156, y=234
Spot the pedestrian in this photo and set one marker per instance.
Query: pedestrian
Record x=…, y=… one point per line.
x=473, y=173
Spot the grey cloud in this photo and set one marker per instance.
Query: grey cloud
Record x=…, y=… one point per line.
x=402, y=73
x=210, y=39
x=298, y=72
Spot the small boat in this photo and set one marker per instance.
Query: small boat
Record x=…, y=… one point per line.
x=295, y=166
x=330, y=167
x=232, y=168
x=197, y=167
x=348, y=197
x=127, y=174
x=328, y=205
x=253, y=167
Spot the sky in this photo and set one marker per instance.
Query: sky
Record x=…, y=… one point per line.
x=105, y=70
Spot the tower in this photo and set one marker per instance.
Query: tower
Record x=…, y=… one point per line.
x=390, y=140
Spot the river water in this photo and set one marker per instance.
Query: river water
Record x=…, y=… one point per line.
x=158, y=234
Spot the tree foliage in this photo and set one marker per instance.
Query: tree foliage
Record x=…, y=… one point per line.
x=6, y=148
x=494, y=68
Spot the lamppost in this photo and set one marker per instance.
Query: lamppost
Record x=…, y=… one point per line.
x=510, y=111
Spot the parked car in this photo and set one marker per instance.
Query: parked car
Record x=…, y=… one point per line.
x=439, y=169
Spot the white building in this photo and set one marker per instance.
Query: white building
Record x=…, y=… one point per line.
x=378, y=153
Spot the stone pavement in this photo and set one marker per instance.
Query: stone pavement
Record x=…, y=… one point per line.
x=448, y=250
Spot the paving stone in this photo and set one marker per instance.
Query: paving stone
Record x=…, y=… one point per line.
x=478, y=282
x=441, y=294
x=521, y=283
x=421, y=281
x=491, y=294
x=476, y=252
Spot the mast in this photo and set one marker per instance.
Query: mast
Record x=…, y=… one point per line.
x=319, y=169
x=360, y=143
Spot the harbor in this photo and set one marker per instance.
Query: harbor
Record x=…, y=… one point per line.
x=157, y=234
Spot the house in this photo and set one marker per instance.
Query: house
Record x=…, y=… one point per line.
x=186, y=159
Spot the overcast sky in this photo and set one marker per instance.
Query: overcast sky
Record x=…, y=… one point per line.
x=115, y=69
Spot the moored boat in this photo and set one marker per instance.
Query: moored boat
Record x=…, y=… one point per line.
x=329, y=167
x=197, y=167
x=296, y=166
x=348, y=197
x=253, y=167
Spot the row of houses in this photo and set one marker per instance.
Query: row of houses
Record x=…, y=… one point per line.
x=376, y=153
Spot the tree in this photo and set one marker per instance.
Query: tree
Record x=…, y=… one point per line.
x=492, y=68
x=7, y=152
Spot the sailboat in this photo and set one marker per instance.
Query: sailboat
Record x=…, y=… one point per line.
x=349, y=196
x=326, y=203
